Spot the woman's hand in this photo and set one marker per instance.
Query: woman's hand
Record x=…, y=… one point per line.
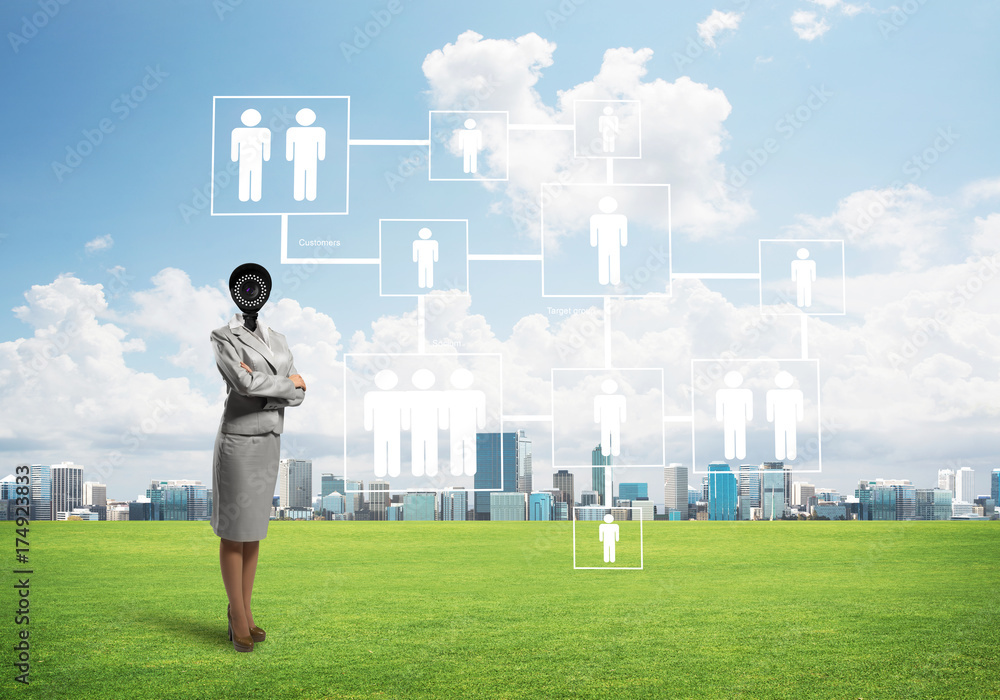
x=245, y=366
x=298, y=381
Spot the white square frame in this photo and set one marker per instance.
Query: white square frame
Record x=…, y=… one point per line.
x=347, y=142
x=843, y=275
x=422, y=294
x=430, y=145
x=609, y=568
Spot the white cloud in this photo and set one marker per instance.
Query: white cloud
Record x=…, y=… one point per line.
x=808, y=26
x=716, y=23
x=100, y=243
x=682, y=126
x=176, y=309
x=909, y=222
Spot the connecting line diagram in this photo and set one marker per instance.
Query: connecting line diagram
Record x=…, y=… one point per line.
x=740, y=407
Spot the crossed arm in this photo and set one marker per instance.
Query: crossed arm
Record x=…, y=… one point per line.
x=279, y=391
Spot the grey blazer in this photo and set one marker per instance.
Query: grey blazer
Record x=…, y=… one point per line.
x=255, y=402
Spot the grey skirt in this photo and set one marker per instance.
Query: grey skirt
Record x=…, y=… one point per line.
x=244, y=474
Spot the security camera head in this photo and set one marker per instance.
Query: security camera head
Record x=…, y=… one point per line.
x=250, y=286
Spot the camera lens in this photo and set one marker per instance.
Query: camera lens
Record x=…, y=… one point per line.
x=250, y=289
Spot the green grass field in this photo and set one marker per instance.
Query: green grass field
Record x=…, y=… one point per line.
x=495, y=610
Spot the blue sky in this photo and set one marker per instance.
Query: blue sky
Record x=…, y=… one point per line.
x=879, y=86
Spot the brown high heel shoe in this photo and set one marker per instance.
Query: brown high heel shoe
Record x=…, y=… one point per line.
x=239, y=643
x=257, y=634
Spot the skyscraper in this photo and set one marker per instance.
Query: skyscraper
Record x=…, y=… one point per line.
x=497, y=467
x=95, y=494
x=599, y=475
x=379, y=499
x=772, y=490
x=524, y=481
x=563, y=481
x=722, y=492
x=675, y=486
x=802, y=492
x=67, y=486
x=946, y=480
x=995, y=486
x=749, y=490
x=454, y=504
x=965, y=487
x=295, y=483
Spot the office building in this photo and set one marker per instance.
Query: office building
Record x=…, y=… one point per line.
x=524, y=480
x=802, y=492
x=95, y=494
x=540, y=506
x=196, y=498
x=454, y=504
x=378, y=499
x=965, y=487
x=675, y=488
x=829, y=511
x=906, y=500
x=995, y=485
x=560, y=510
x=395, y=512
x=646, y=509
x=499, y=458
x=41, y=492
x=333, y=503
x=588, y=498
x=67, y=486
x=933, y=504
x=563, y=481
x=946, y=480
x=773, y=497
x=883, y=503
x=600, y=473
x=508, y=506
x=633, y=490
x=419, y=505
x=749, y=490
x=295, y=483
x=722, y=492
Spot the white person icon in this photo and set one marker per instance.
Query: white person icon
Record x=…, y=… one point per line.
x=803, y=274
x=427, y=415
x=609, y=412
x=305, y=146
x=250, y=147
x=607, y=123
x=464, y=412
x=609, y=234
x=470, y=140
x=785, y=410
x=733, y=408
x=608, y=533
x=425, y=254
x=386, y=415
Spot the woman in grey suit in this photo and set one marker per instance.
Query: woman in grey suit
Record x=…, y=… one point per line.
x=261, y=381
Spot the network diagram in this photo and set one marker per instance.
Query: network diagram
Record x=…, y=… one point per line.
x=412, y=417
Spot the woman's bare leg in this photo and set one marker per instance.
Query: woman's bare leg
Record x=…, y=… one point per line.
x=231, y=563
x=250, y=552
